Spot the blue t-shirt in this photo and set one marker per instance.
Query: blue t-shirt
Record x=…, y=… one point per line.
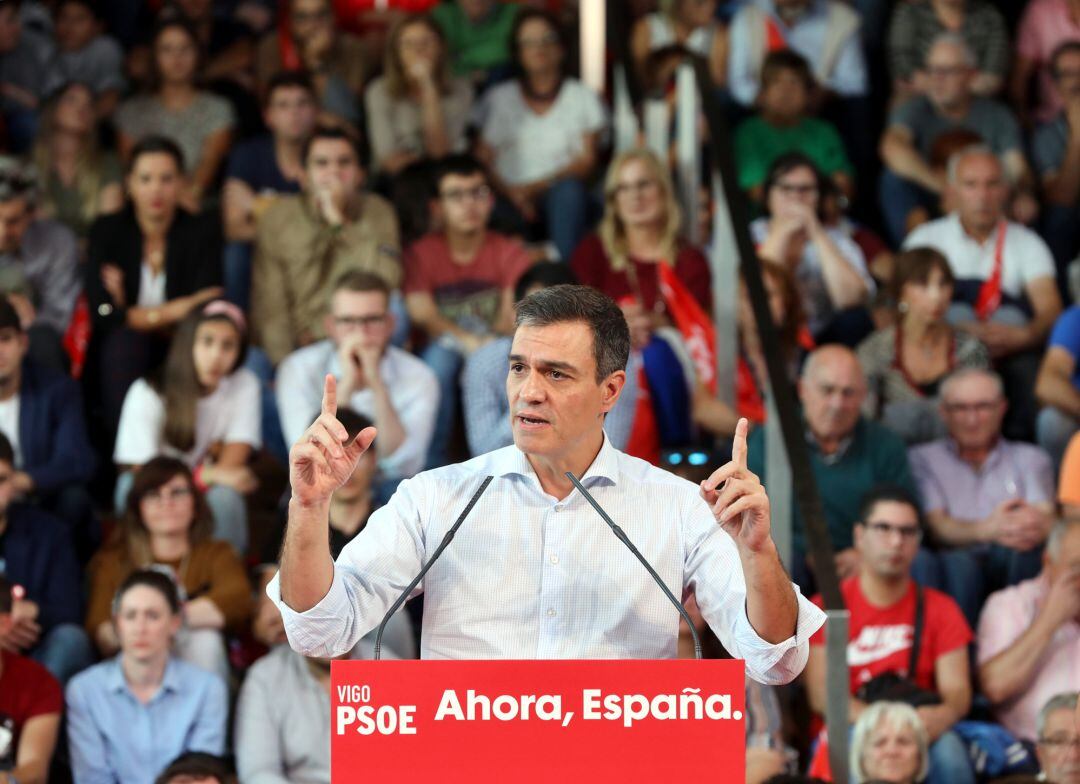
x=1066, y=335
x=254, y=163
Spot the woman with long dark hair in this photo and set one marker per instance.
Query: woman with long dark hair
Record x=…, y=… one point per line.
x=204, y=408
x=148, y=266
x=541, y=134
x=829, y=269
x=167, y=526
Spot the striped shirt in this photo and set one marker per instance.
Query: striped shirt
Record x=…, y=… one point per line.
x=914, y=27
x=529, y=576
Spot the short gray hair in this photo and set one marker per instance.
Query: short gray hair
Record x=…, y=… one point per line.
x=1061, y=527
x=897, y=714
x=564, y=303
x=957, y=40
x=970, y=151
x=964, y=373
x=1064, y=701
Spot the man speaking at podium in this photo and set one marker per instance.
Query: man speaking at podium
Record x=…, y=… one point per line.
x=534, y=572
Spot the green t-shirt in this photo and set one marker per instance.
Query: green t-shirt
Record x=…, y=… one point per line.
x=476, y=47
x=758, y=144
x=875, y=456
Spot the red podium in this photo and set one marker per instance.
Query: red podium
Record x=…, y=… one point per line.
x=533, y=721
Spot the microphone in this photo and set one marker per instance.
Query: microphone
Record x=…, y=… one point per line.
x=620, y=534
x=435, y=556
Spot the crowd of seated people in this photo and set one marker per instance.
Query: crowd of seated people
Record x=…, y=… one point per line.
x=207, y=207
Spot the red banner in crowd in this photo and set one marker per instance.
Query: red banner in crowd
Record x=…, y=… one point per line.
x=533, y=721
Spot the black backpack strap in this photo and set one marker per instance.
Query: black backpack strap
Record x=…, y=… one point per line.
x=916, y=636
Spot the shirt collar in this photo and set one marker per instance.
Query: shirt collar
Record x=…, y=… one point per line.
x=511, y=461
x=993, y=458
x=116, y=683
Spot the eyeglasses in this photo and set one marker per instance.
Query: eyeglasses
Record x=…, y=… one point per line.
x=979, y=407
x=796, y=190
x=947, y=70
x=173, y=494
x=1061, y=742
x=539, y=43
x=459, y=195
x=360, y=321
x=313, y=16
x=909, y=533
x=639, y=186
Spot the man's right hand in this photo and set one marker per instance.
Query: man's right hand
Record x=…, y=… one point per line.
x=324, y=458
x=1063, y=602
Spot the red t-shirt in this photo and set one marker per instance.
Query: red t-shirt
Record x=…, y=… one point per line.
x=592, y=268
x=465, y=293
x=880, y=637
x=26, y=690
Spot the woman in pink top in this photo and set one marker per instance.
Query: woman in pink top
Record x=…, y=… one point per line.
x=1046, y=24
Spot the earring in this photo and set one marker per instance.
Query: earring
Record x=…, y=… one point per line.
x=902, y=307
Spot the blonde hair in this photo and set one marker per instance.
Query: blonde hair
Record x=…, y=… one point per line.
x=397, y=82
x=613, y=232
x=89, y=169
x=897, y=714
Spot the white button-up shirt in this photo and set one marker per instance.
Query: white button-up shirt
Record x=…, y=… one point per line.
x=413, y=389
x=529, y=576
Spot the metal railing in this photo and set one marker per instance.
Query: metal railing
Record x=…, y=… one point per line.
x=788, y=475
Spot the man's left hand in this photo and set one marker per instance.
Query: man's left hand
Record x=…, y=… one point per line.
x=738, y=499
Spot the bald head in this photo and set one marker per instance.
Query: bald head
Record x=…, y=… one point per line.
x=832, y=390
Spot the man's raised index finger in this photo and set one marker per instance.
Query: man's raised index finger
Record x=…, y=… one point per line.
x=329, y=396
x=738, y=447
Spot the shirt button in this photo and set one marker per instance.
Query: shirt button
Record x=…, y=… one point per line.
x=554, y=558
x=558, y=508
x=551, y=612
x=104, y=309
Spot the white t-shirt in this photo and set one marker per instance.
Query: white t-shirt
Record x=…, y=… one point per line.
x=151, y=288
x=529, y=146
x=231, y=414
x=1024, y=258
x=9, y=425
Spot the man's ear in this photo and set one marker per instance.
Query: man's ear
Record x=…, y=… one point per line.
x=612, y=387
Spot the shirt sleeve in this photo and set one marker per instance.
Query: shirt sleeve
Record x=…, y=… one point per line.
x=138, y=438
x=1028, y=44
x=849, y=74
x=271, y=315
x=1069, y=484
x=1038, y=475
x=369, y=575
x=714, y=573
x=483, y=398
x=208, y=734
x=64, y=279
x=891, y=463
x=1047, y=149
x=742, y=81
x=1066, y=332
x=417, y=415
x=245, y=406
x=298, y=390
x=950, y=628
x=1038, y=262
x=258, y=752
x=1000, y=624
x=901, y=49
x=933, y=494
x=230, y=590
x=380, y=133
x=89, y=757
x=993, y=54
